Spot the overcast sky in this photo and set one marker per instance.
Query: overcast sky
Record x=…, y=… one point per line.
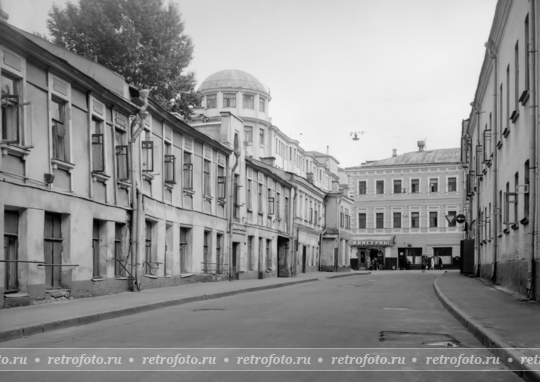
x=398, y=70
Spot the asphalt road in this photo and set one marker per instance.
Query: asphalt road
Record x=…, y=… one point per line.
x=385, y=313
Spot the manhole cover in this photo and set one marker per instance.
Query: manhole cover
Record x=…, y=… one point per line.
x=414, y=339
x=207, y=310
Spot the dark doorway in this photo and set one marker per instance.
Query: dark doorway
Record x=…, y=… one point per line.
x=53, y=244
x=304, y=260
x=235, y=263
x=283, y=257
x=411, y=256
x=467, y=256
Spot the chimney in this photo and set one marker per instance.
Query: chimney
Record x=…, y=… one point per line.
x=421, y=145
x=394, y=153
x=3, y=15
x=327, y=150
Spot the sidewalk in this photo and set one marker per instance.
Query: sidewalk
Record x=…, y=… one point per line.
x=29, y=320
x=503, y=322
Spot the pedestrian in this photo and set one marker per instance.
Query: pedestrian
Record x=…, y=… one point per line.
x=432, y=263
x=423, y=264
x=375, y=264
x=440, y=264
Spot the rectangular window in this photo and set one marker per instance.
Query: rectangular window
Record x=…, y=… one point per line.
x=415, y=186
x=362, y=189
x=60, y=130
x=286, y=208
x=397, y=186
x=362, y=220
x=188, y=171
x=452, y=218
x=170, y=169
x=250, y=253
x=221, y=182
x=452, y=184
x=278, y=199
x=261, y=136
x=236, y=197
x=379, y=187
x=379, y=220
x=122, y=162
x=248, y=193
x=397, y=219
x=415, y=219
x=229, y=100
x=249, y=134
x=260, y=198
x=207, y=185
x=434, y=185
x=487, y=144
x=98, y=146
x=433, y=219
x=11, y=246
x=270, y=202
x=211, y=101
x=262, y=102
x=147, y=156
x=53, y=244
x=148, y=258
x=248, y=101
x=11, y=131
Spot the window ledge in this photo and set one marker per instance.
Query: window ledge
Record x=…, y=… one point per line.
x=99, y=177
x=150, y=276
x=506, y=131
x=208, y=198
x=99, y=279
x=524, y=221
x=488, y=163
x=121, y=278
x=170, y=185
x=62, y=165
x=260, y=213
x=499, y=145
x=249, y=209
x=506, y=230
x=14, y=150
x=515, y=226
x=147, y=176
x=499, y=235
x=189, y=191
x=123, y=184
x=222, y=201
x=168, y=276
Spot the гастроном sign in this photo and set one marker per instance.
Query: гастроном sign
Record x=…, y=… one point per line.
x=368, y=243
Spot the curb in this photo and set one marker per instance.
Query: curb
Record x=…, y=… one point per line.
x=488, y=338
x=25, y=331
x=348, y=274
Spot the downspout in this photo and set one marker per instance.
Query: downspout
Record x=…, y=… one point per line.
x=136, y=200
x=293, y=230
x=231, y=206
x=531, y=285
x=490, y=46
x=477, y=182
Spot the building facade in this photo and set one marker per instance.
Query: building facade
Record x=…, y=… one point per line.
x=500, y=152
x=305, y=176
x=405, y=208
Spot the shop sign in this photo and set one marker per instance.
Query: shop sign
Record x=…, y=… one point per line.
x=371, y=243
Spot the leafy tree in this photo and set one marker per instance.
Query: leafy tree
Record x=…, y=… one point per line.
x=139, y=39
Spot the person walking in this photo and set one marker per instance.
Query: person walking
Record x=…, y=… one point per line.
x=432, y=263
x=440, y=264
x=423, y=264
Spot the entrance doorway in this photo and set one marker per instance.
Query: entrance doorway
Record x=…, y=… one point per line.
x=235, y=262
x=412, y=256
x=283, y=254
x=304, y=259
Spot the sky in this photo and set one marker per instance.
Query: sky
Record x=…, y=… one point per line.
x=399, y=71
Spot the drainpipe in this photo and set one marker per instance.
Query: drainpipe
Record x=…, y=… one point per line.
x=490, y=46
x=231, y=206
x=534, y=157
x=293, y=230
x=136, y=197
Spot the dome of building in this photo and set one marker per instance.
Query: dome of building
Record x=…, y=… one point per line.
x=233, y=78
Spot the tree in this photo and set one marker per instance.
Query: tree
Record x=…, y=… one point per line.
x=139, y=39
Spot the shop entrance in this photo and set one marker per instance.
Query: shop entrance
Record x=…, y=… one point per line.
x=412, y=257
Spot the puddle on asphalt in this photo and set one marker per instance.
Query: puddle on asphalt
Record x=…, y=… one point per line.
x=441, y=340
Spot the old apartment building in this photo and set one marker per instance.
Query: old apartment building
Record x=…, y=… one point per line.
x=500, y=152
x=104, y=191
x=405, y=206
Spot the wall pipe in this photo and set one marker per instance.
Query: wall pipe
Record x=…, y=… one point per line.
x=231, y=207
x=136, y=197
